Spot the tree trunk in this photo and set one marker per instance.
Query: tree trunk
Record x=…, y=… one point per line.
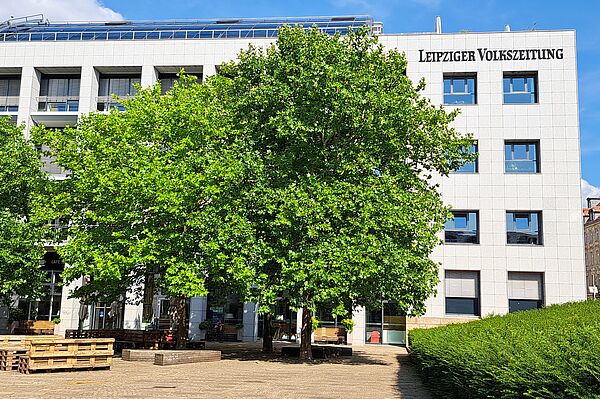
x=306, y=335
x=179, y=315
x=267, y=333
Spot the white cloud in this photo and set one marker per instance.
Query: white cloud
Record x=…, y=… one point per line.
x=381, y=8
x=58, y=10
x=588, y=191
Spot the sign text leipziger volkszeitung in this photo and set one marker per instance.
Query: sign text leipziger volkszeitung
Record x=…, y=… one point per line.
x=484, y=54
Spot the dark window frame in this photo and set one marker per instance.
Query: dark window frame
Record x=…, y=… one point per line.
x=475, y=163
x=459, y=76
x=538, y=302
x=511, y=75
x=476, y=301
x=514, y=239
x=536, y=161
x=477, y=231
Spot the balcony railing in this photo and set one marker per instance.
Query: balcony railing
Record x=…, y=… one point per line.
x=58, y=104
x=9, y=104
x=106, y=103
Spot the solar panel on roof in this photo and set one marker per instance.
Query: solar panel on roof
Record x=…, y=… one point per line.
x=153, y=30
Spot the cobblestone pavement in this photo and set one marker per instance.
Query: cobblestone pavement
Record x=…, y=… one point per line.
x=373, y=372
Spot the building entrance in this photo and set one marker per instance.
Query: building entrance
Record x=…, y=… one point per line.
x=385, y=325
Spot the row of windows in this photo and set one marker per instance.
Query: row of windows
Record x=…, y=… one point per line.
x=462, y=289
x=522, y=228
x=519, y=157
x=60, y=93
x=518, y=87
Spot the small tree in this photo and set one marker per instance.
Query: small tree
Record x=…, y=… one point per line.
x=21, y=237
x=345, y=208
x=151, y=192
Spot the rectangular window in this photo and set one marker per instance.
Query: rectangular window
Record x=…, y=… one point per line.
x=524, y=228
x=120, y=85
x=462, y=293
x=460, y=89
x=520, y=88
x=10, y=86
x=525, y=291
x=521, y=157
x=463, y=228
x=167, y=80
x=59, y=93
x=473, y=166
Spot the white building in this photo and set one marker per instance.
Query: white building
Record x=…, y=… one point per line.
x=516, y=241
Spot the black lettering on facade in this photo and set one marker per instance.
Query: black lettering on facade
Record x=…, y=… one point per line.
x=481, y=52
x=485, y=54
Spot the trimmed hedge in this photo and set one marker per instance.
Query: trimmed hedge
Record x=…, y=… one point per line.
x=547, y=353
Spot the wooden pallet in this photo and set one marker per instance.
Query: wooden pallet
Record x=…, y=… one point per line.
x=63, y=354
x=9, y=357
x=28, y=365
x=7, y=341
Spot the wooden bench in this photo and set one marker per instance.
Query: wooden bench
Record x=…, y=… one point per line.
x=61, y=354
x=37, y=327
x=139, y=355
x=330, y=334
x=128, y=338
x=166, y=358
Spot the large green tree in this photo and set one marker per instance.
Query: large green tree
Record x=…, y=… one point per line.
x=345, y=207
x=151, y=192
x=21, y=237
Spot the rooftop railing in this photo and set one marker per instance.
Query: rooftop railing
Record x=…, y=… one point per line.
x=158, y=35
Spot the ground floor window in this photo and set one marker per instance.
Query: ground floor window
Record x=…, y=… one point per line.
x=525, y=291
x=225, y=316
x=386, y=325
x=47, y=307
x=462, y=293
x=284, y=323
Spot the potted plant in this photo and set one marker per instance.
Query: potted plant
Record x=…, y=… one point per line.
x=240, y=330
x=56, y=322
x=204, y=326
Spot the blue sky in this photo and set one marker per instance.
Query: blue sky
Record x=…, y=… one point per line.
x=397, y=16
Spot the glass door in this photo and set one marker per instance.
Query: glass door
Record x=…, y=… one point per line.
x=386, y=325
x=394, y=324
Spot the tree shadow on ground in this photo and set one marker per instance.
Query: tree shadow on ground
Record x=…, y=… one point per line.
x=246, y=353
x=408, y=382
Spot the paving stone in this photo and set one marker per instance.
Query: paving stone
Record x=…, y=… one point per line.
x=244, y=372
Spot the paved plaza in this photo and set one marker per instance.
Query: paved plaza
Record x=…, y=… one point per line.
x=378, y=372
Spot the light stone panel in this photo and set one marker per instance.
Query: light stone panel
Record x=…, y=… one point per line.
x=553, y=121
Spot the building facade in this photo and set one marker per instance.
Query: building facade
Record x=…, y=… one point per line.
x=516, y=240
x=591, y=229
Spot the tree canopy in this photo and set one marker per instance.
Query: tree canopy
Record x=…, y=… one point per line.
x=304, y=170
x=345, y=208
x=21, y=237
x=151, y=191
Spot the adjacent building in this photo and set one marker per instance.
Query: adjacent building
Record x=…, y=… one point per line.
x=591, y=228
x=516, y=240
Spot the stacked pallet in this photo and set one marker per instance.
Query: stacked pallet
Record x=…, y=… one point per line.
x=13, y=346
x=9, y=357
x=19, y=340
x=64, y=354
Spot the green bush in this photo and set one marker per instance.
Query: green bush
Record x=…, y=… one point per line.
x=547, y=353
